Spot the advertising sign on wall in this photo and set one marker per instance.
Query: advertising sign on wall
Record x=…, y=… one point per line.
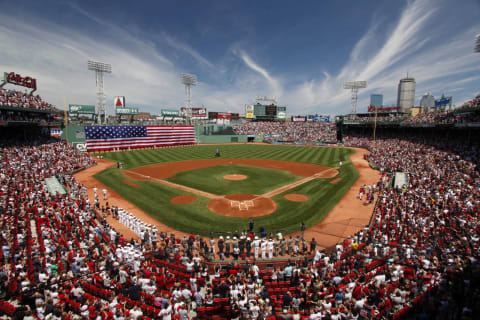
x=249, y=112
x=224, y=115
x=299, y=119
x=196, y=112
x=281, y=114
x=126, y=111
x=16, y=79
x=81, y=109
x=170, y=113
x=119, y=102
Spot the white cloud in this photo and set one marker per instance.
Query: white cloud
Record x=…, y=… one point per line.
x=179, y=45
x=430, y=56
x=276, y=88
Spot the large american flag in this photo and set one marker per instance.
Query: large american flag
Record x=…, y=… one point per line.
x=124, y=137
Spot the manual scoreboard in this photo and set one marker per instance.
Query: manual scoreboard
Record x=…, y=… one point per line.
x=265, y=112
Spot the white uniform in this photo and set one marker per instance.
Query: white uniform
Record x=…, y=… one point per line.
x=263, y=248
x=270, y=245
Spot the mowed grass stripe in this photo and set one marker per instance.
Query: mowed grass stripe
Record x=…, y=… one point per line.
x=323, y=156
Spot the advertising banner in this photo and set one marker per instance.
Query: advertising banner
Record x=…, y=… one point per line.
x=281, y=114
x=119, y=102
x=170, y=113
x=321, y=119
x=16, y=79
x=299, y=119
x=126, y=111
x=249, y=112
x=224, y=115
x=196, y=112
x=443, y=102
x=81, y=109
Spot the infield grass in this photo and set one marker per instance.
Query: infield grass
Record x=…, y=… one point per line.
x=195, y=217
x=210, y=179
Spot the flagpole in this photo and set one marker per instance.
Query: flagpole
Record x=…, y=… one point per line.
x=65, y=117
x=375, y=128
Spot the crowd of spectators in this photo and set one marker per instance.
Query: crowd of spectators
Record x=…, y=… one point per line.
x=379, y=119
x=14, y=98
x=290, y=131
x=450, y=117
x=60, y=260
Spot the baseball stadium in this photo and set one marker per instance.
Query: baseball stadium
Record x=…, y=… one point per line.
x=256, y=211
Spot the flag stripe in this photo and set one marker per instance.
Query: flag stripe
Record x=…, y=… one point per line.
x=112, y=137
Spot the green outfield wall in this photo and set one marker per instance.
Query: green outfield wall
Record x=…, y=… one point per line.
x=222, y=139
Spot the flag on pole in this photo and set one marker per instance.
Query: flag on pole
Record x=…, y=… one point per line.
x=126, y=137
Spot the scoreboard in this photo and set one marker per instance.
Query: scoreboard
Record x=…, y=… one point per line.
x=271, y=110
x=265, y=112
x=259, y=110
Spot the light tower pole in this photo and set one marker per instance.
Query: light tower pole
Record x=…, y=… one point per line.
x=100, y=68
x=477, y=44
x=354, y=86
x=188, y=80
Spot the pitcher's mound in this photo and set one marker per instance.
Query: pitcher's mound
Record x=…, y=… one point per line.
x=242, y=205
x=235, y=177
x=295, y=197
x=183, y=199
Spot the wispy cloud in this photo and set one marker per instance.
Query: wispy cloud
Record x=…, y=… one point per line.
x=274, y=83
x=411, y=46
x=184, y=47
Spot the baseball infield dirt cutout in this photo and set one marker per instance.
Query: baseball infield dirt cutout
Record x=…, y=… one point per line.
x=131, y=184
x=183, y=199
x=296, y=197
x=335, y=180
x=242, y=205
x=235, y=177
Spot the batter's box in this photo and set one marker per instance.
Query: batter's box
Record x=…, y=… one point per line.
x=234, y=203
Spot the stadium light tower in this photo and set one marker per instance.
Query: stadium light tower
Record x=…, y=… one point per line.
x=477, y=44
x=188, y=80
x=354, y=86
x=100, y=68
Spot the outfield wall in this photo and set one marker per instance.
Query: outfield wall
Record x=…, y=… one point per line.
x=202, y=139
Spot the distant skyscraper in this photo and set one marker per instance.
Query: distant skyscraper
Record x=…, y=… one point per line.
x=376, y=100
x=427, y=102
x=406, y=93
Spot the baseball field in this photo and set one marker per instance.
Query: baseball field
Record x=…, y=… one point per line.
x=191, y=190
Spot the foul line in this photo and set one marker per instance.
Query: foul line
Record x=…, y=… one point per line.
x=297, y=183
x=178, y=186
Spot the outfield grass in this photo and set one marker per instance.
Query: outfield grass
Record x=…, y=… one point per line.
x=210, y=179
x=325, y=156
x=195, y=217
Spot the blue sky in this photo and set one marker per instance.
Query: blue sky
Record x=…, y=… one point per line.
x=299, y=52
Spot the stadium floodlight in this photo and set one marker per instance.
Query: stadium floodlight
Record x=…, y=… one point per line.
x=354, y=86
x=477, y=44
x=100, y=68
x=189, y=80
